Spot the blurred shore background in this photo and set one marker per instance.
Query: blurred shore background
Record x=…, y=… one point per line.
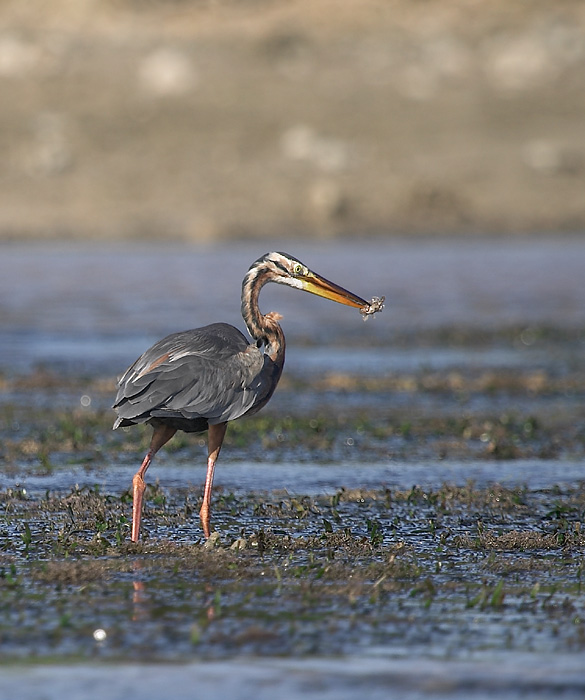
x=207, y=120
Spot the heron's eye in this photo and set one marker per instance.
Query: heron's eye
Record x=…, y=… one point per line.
x=297, y=269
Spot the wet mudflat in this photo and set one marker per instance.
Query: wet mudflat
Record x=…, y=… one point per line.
x=415, y=496
x=446, y=572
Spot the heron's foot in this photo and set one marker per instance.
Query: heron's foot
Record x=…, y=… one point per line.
x=138, y=488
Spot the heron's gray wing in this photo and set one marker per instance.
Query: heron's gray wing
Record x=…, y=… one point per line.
x=209, y=373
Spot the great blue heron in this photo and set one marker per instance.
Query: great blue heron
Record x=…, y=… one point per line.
x=200, y=379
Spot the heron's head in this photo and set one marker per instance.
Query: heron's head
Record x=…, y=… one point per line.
x=283, y=268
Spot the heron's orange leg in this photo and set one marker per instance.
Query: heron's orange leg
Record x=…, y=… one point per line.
x=162, y=434
x=215, y=436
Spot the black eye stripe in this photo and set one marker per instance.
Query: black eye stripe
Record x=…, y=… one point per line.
x=280, y=266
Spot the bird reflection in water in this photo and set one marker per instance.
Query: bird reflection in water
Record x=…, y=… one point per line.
x=141, y=597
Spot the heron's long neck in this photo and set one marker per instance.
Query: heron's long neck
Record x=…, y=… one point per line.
x=263, y=328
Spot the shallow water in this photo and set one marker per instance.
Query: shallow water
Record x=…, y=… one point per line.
x=372, y=676
x=96, y=307
x=309, y=478
x=85, y=312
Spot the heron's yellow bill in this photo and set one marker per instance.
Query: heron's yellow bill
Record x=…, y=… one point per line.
x=315, y=284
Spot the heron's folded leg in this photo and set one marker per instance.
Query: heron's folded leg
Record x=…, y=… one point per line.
x=215, y=436
x=161, y=435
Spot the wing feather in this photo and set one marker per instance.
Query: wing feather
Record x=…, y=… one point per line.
x=206, y=375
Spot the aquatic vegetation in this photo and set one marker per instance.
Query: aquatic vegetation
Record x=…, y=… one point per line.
x=316, y=574
x=448, y=566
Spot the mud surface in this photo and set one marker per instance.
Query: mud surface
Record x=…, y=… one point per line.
x=445, y=572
